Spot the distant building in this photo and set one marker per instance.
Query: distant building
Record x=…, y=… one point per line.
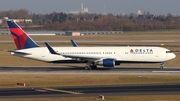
x=72, y=34
x=85, y=10
x=6, y=18
x=139, y=12
x=22, y=20
x=82, y=6
x=17, y=20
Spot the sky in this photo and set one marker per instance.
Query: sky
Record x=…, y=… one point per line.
x=94, y=6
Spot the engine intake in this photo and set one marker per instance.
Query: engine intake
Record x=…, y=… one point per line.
x=107, y=62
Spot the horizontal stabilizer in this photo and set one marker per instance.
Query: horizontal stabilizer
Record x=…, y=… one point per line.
x=16, y=52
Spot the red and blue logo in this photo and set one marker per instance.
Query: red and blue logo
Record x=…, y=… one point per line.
x=141, y=51
x=21, y=39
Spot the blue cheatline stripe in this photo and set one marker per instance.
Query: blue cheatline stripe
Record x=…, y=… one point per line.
x=12, y=24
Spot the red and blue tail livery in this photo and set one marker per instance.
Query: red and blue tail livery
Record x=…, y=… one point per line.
x=21, y=39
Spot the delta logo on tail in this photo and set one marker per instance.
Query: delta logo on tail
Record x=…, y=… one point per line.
x=21, y=39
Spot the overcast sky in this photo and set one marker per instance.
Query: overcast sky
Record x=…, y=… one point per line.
x=95, y=6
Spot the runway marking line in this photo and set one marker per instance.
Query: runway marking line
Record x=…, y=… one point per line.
x=40, y=90
x=62, y=91
x=166, y=71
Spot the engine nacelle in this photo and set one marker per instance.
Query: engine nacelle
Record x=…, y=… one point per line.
x=106, y=62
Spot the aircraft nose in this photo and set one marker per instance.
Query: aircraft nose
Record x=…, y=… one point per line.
x=173, y=55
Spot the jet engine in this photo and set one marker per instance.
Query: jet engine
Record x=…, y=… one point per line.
x=106, y=62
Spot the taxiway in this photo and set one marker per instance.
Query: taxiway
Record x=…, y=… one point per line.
x=80, y=70
x=90, y=91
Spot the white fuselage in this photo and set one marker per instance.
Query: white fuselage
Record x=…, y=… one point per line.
x=121, y=54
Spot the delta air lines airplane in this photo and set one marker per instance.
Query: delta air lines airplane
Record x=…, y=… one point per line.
x=104, y=56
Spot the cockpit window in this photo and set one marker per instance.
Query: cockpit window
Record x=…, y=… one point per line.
x=168, y=51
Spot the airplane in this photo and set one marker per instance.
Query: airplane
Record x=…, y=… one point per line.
x=107, y=57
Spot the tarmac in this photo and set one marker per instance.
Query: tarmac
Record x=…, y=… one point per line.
x=61, y=70
x=82, y=91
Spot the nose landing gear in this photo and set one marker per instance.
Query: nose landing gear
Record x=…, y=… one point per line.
x=161, y=65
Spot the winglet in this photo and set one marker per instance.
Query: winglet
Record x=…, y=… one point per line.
x=74, y=43
x=51, y=50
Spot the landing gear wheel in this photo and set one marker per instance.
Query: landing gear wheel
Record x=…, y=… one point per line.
x=88, y=68
x=162, y=65
x=94, y=67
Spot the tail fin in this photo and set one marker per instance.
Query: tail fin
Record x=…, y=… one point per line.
x=21, y=39
x=74, y=43
x=51, y=50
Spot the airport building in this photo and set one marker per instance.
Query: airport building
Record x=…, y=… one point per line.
x=22, y=20
x=16, y=20
x=84, y=9
x=139, y=12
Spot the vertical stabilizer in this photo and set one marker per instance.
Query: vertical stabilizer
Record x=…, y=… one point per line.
x=21, y=39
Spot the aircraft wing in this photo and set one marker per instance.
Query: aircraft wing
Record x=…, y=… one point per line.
x=80, y=57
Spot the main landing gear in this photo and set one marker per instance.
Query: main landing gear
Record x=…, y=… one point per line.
x=90, y=66
x=161, y=65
